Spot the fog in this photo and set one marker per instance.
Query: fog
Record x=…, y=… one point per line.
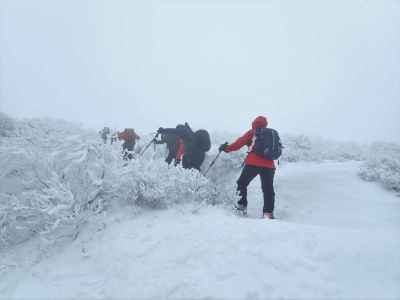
x=326, y=68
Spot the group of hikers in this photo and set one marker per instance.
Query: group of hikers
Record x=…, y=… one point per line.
x=188, y=147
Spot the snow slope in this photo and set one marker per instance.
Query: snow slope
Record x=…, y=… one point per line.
x=337, y=237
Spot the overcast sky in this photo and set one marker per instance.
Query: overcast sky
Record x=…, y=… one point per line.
x=328, y=68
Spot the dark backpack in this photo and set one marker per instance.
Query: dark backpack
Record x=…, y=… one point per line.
x=267, y=143
x=202, y=139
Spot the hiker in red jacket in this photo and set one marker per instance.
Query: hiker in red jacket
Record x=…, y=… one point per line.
x=254, y=165
x=129, y=137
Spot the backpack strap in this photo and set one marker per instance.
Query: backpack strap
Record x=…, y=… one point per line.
x=273, y=139
x=253, y=142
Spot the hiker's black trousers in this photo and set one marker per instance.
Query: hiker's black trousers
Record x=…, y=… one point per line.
x=267, y=185
x=127, y=149
x=170, y=158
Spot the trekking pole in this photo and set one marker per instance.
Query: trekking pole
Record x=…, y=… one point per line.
x=196, y=210
x=212, y=163
x=149, y=145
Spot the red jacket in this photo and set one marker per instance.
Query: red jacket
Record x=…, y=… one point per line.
x=128, y=135
x=252, y=159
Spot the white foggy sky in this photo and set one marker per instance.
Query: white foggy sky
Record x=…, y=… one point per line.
x=328, y=68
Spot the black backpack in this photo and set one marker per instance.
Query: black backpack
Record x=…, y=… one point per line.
x=203, y=141
x=267, y=143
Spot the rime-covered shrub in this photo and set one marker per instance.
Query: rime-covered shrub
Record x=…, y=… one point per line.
x=303, y=148
x=38, y=180
x=297, y=148
x=32, y=199
x=54, y=174
x=383, y=165
x=154, y=184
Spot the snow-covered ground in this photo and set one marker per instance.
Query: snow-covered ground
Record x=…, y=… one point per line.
x=336, y=237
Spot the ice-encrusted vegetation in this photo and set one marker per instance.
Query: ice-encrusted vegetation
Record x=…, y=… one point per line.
x=303, y=148
x=383, y=165
x=54, y=175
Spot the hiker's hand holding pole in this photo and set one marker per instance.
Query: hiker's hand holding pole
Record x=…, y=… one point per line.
x=151, y=142
x=223, y=147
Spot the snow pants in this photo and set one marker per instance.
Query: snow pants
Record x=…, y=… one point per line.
x=267, y=185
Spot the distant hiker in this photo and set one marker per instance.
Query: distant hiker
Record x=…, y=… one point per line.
x=264, y=147
x=129, y=137
x=196, y=144
x=104, y=134
x=174, y=145
x=114, y=137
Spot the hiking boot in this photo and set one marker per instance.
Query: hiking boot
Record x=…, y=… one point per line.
x=240, y=209
x=269, y=216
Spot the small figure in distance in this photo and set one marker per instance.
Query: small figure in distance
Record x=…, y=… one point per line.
x=129, y=137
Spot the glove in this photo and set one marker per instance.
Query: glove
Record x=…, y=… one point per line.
x=223, y=147
x=160, y=130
